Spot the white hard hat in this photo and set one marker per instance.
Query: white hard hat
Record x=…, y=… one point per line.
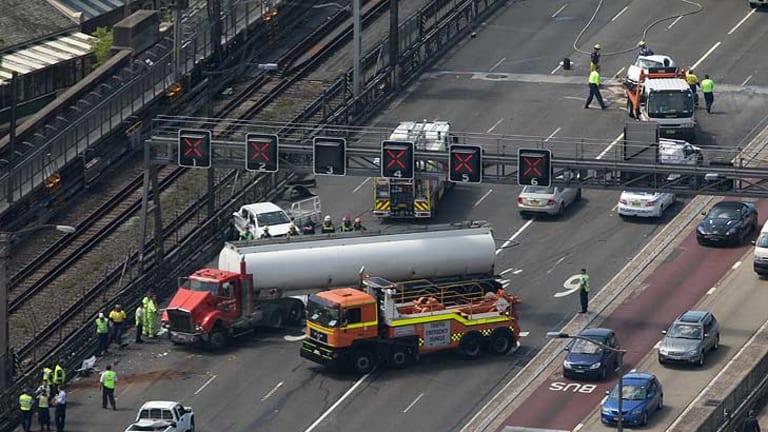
x=101, y=314
x=327, y=218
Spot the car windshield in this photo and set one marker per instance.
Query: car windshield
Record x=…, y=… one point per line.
x=646, y=64
x=724, y=213
x=272, y=218
x=629, y=392
x=581, y=346
x=685, y=331
x=670, y=104
x=544, y=190
x=323, y=312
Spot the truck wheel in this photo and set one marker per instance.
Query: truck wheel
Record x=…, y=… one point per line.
x=363, y=360
x=296, y=312
x=276, y=319
x=219, y=337
x=500, y=341
x=399, y=357
x=470, y=346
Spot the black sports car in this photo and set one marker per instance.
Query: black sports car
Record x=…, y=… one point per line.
x=728, y=222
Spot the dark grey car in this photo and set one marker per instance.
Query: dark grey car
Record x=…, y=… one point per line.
x=690, y=338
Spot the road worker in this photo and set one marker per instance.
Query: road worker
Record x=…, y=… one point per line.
x=595, y=58
x=139, y=318
x=308, y=227
x=346, y=224
x=584, y=290
x=693, y=83
x=25, y=404
x=708, y=88
x=108, y=381
x=327, y=226
x=150, y=316
x=265, y=233
x=43, y=413
x=117, y=316
x=102, y=331
x=292, y=230
x=358, y=225
x=47, y=376
x=645, y=50
x=61, y=408
x=594, y=88
x=246, y=235
x=59, y=377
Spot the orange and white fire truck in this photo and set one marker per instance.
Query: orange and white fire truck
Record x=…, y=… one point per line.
x=394, y=323
x=417, y=197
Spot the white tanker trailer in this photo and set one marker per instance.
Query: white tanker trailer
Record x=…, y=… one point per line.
x=252, y=284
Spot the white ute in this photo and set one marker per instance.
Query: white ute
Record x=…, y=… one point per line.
x=163, y=416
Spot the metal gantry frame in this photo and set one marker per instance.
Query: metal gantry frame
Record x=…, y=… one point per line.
x=598, y=164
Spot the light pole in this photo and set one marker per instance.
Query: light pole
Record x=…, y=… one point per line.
x=562, y=335
x=357, y=42
x=5, y=238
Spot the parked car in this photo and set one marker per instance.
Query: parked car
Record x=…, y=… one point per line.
x=551, y=200
x=644, y=204
x=727, y=222
x=163, y=416
x=760, y=256
x=642, y=396
x=689, y=338
x=588, y=360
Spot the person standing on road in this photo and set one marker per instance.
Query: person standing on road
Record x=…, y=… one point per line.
x=594, y=58
x=102, y=331
x=151, y=313
x=346, y=224
x=358, y=225
x=117, y=316
x=108, y=380
x=48, y=377
x=750, y=423
x=139, y=317
x=584, y=290
x=645, y=50
x=693, y=83
x=61, y=408
x=25, y=404
x=43, y=413
x=327, y=227
x=59, y=376
x=594, y=88
x=708, y=88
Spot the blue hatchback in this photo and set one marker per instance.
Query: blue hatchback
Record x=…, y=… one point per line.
x=643, y=395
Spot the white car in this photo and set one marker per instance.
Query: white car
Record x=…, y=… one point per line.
x=254, y=217
x=551, y=200
x=646, y=63
x=644, y=204
x=163, y=416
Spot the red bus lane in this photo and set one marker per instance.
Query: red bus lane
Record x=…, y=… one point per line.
x=675, y=286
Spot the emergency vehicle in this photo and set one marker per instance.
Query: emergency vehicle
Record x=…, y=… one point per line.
x=394, y=323
x=417, y=197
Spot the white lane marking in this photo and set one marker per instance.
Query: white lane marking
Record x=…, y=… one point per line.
x=498, y=63
x=727, y=367
x=291, y=338
x=745, y=81
x=337, y=403
x=574, y=97
x=610, y=146
x=619, y=72
x=658, y=344
x=614, y=208
x=506, y=271
x=714, y=47
x=524, y=334
x=555, y=265
x=514, y=236
x=741, y=22
x=518, y=271
x=413, y=403
x=552, y=135
x=483, y=197
x=619, y=14
x=559, y=10
x=674, y=22
x=361, y=184
x=213, y=377
x=711, y=290
x=266, y=396
x=554, y=71
x=494, y=125
x=505, y=284
x=578, y=427
x=735, y=265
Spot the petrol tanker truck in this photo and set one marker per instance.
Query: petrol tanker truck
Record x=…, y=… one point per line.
x=264, y=283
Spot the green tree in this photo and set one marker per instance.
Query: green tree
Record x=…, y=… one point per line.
x=101, y=45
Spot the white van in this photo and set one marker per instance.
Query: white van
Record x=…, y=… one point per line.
x=760, y=259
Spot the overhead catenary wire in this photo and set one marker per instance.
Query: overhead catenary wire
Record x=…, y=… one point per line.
x=698, y=6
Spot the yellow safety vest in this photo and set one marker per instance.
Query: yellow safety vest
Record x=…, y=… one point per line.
x=707, y=86
x=102, y=325
x=59, y=375
x=47, y=372
x=594, y=77
x=345, y=228
x=42, y=400
x=109, y=379
x=585, y=282
x=117, y=317
x=25, y=402
x=691, y=79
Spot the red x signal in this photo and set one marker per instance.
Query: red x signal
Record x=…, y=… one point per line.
x=532, y=165
x=193, y=147
x=395, y=158
x=463, y=163
x=260, y=152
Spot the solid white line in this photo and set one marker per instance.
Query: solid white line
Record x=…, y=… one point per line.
x=505, y=284
x=518, y=271
x=555, y=265
x=578, y=427
x=494, y=125
x=413, y=403
x=361, y=185
x=552, y=134
x=483, y=197
x=559, y=10
x=701, y=394
x=735, y=265
x=620, y=71
x=674, y=22
x=506, y=271
x=619, y=14
x=714, y=47
x=266, y=396
x=557, y=69
x=206, y=384
x=745, y=81
x=524, y=334
x=741, y=22
x=711, y=290
x=514, y=236
x=614, y=208
x=337, y=403
x=504, y=281
x=610, y=146
x=658, y=344
x=498, y=63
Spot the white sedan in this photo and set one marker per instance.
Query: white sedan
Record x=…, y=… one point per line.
x=550, y=200
x=644, y=204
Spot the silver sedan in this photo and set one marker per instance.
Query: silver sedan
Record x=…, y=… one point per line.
x=551, y=200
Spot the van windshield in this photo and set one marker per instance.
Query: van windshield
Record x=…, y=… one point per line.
x=762, y=241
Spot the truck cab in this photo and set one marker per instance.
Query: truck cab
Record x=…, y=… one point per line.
x=165, y=416
x=669, y=102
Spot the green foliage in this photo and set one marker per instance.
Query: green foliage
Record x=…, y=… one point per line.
x=101, y=45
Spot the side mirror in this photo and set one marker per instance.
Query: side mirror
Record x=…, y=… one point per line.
x=663, y=332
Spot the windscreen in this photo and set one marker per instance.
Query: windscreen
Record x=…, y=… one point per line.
x=581, y=346
x=629, y=392
x=545, y=190
x=685, y=331
x=675, y=104
x=646, y=64
x=725, y=213
x=272, y=218
x=322, y=312
x=200, y=285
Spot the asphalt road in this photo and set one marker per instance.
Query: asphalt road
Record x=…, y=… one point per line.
x=262, y=384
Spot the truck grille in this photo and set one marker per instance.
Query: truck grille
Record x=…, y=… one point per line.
x=180, y=320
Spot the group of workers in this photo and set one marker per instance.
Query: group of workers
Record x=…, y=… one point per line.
x=111, y=328
x=51, y=392
x=707, y=84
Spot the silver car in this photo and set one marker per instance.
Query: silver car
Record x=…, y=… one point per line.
x=689, y=338
x=551, y=200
